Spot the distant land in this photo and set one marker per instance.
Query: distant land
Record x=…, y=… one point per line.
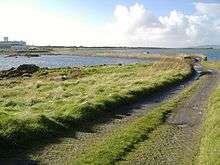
x=207, y=47
x=127, y=47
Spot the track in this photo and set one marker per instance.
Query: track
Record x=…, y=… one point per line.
x=177, y=141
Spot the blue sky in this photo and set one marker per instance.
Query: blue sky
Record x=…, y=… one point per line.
x=167, y=23
x=96, y=11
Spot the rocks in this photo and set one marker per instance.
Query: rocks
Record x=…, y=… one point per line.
x=29, y=55
x=64, y=77
x=25, y=70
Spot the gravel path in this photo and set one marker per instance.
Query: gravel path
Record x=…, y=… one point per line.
x=177, y=141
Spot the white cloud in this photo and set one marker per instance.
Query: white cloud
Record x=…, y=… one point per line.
x=136, y=26
x=133, y=26
x=212, y=9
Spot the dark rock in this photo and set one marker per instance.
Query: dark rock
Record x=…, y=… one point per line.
x=25, y=70
x=188, y=57
x=32, y=55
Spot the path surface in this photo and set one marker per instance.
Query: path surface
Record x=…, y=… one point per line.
x=177, y=141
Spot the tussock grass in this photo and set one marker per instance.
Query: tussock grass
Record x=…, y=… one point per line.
x=44, y=104
x=115, y=147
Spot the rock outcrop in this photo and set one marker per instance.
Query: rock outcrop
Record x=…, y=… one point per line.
x=25, y=70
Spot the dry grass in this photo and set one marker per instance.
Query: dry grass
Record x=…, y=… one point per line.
x=43, y=103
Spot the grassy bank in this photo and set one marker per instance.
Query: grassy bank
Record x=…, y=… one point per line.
x=209, y=153
x=43, y=104
x=123, y=141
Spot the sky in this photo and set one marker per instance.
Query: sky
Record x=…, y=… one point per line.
x=157, y=23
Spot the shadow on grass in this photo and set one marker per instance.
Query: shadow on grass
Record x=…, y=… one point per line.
x=19, y=153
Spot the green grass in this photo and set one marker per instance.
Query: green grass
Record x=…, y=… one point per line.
x=119, y=53
x=115, y=147
x=212, y=65
x=209, y=153
x=107, y=53
x=43, y=105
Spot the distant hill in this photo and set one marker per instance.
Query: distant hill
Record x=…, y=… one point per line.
x=208, y=47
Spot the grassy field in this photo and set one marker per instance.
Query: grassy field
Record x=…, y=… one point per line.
x=114, y=148
x=44, y=104
x=210, y=144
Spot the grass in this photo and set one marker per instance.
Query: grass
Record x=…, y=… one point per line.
x=46, y=103
x=210, y=143
x=212, y=65
x=120, y=53
x=107, y=53
x=119, y=144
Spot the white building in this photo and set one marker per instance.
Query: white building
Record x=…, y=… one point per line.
x=13, y=45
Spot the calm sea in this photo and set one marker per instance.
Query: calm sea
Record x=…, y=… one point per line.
x=77, y=61
x=60, y=61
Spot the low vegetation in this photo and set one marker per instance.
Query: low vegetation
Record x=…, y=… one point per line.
x=107, y=53
x=126, y=53
x=115, y=147
x=210, y=143
x=46, y=103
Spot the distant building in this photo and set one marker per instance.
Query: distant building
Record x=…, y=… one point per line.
x=13, y=45
x=5, y=39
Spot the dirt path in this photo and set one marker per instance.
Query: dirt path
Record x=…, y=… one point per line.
x=177, y=141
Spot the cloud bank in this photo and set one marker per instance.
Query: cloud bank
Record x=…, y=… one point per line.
x=133, y=26
x=136, y=25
